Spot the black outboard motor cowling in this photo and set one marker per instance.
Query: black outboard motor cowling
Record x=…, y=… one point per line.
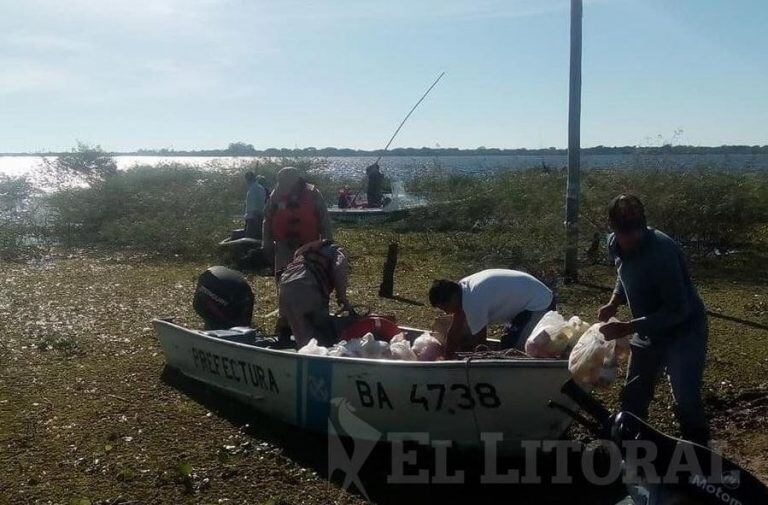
x=223, y=298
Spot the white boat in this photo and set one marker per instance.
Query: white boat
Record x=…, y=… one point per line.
x=397, y=206
x=444, y=400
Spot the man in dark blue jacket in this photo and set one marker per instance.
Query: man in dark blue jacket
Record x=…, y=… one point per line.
x=668, y=317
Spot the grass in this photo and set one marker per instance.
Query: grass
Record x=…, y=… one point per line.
x=85, y=413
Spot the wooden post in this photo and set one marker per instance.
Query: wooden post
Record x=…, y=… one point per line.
x=387, y=287
x=574, y=148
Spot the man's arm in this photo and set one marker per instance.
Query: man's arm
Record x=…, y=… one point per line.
x=259, y=199
x=455, y=333
x=672, y=289
x=323, y=219
x=618, y=298
x=340, y=276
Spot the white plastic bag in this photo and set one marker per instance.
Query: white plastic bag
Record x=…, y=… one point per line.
x=397, y=338
x=551, y=322
x=575, y=328
x=586, y=360
x=339, y=349
x=551, y=336
x=428, y=348
x=354, y=348
x=401, y=349
x=374, y=349
x=593, y=359
x=312, y=349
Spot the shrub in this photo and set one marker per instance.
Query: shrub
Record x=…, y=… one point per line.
x=169, y=209
x=84, y=164
x=705, y=210
x=18, y=224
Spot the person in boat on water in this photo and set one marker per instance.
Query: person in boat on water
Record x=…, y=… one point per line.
x=374, y=186
x=255, y=198
x=318, y=269
x=669, y=320
x=343, y=202
x=296, y=214
x=514, y=298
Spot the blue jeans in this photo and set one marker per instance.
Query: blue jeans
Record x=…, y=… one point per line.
x=682, y=357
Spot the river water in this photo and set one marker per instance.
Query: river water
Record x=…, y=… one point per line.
x=405, y=167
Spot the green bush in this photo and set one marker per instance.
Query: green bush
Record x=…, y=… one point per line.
x=706, y=210
x=19, y=226
x=169, y=209
x=180, y=209
x=84, y=164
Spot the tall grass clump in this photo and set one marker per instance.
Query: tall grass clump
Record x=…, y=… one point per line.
x=167, y=209
x=520, y=214
x=20, y=227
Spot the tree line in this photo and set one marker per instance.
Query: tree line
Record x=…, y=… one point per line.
x=244, y=149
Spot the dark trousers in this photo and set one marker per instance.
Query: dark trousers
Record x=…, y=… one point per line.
x=683, y=358
x=253, y=228
x=374, y=199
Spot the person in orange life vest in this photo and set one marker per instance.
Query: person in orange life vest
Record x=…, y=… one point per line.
x=295, y=215
x=318, y=269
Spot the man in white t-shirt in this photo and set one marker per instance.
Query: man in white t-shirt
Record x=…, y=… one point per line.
x=509, y=297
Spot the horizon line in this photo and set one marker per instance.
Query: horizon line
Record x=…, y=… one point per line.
x=249, y=150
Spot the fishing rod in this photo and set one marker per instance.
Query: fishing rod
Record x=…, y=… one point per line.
x=409, y=115
x=400, y=126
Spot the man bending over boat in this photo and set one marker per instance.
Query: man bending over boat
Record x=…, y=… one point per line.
x=318, y=269
x=514, y=298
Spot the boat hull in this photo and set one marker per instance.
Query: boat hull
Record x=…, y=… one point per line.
x=372, y=216
x=460, y=401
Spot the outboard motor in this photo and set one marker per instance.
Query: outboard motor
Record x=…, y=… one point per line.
x=223, y=299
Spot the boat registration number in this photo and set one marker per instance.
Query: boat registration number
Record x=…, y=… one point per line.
x=433, y=397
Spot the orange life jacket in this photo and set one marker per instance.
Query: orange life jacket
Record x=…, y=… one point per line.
x=382, y=328
x=293, y=217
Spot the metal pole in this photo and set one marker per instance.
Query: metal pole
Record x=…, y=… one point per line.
x=574, y=148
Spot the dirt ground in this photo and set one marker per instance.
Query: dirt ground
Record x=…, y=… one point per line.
x=88, y=415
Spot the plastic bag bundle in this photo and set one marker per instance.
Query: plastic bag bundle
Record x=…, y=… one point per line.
x=428, y=348
x=374, y=349
x=397, y=338
x=339, y=349
x=550, y=337
x=424, y=348
x=593, y=359
x=553, y=335
x=312, y=349
x=401, y=350
x=575, y=328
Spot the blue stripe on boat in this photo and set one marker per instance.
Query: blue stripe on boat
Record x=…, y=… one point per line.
x=318, y=390
x=299, y=389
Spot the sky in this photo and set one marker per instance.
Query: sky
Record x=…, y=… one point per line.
x=195, y=74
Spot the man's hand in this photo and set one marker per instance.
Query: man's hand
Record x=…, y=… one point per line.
x=616, y=329
x=606, y=312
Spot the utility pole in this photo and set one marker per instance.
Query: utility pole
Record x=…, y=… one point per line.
x=574, y=148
